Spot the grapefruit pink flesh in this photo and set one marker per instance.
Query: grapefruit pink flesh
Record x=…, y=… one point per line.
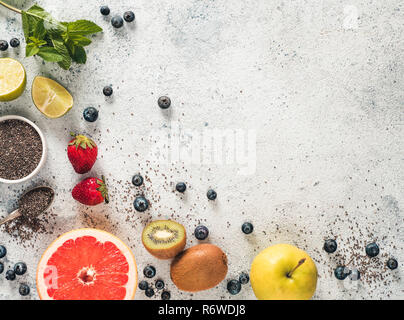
x=87, y=268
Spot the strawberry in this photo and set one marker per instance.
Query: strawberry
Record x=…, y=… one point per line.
x=91, y=191
x=82, y=153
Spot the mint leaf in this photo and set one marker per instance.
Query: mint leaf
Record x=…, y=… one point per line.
x=48, y=21
x=79, y=40
x=31, y=49
x=49, y=54
x=25, y=24
x=61, y=48
x=35, y=9
x=83, y=27
x=37, y=41
x=79, y=55
x=39, y=31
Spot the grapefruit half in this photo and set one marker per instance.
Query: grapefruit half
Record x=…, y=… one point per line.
x=87, y=264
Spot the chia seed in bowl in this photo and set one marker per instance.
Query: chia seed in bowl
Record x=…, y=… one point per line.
x=21, y=149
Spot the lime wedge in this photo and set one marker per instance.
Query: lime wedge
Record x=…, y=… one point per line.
x=12, y=79
x=52, y=99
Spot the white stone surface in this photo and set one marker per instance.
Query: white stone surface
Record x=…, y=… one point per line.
x=320, y=82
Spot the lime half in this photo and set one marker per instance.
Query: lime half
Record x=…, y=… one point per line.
x=12, y=79
x=52, y=99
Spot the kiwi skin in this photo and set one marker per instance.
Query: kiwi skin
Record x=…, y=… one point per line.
x=199, y=268
x=165, y=253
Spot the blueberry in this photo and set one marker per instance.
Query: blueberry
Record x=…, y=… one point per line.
x=341, y=272
x=143, y=285
x=3, y=251
x=105, y=10
x=129, y=16
x=372, y=250
x=247, y=227
x=159, y=284
x=391, y=264
x=211, y=194
x=165, y=295
x=24, y=289
x=244, y=278
x=330, y=246
x=149, y=271
x=141, y=204
x=14, y=42
x=164, y=102
x=117, y=22
x=201, y=232
x=137, y=180
x=149, y=292
x=181, y=187
x=234, y=287
x=90, y=114
x=20, y=268
x=10, y=275
x=355, y=275
x=107, y=91
x=1, y=267
x=3, y=45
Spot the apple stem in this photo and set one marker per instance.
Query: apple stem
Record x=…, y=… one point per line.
x=301, y=261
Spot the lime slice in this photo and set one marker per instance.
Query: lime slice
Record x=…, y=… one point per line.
x=52, y=99
x=12, y=79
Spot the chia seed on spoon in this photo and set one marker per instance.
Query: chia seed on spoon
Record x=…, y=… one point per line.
x=31, y=205
x=35, y=202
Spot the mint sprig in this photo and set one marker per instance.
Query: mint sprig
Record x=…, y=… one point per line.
x=52, y=40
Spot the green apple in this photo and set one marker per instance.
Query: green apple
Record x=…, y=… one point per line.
x=283, y=272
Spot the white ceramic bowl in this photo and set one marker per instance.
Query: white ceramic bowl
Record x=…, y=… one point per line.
x=43, y=158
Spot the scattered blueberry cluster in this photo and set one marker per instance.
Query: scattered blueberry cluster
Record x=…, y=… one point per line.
x=141, y=204
x=202, y=232
x=117, y=21
x=234, y=286
x=342, y=272
x=14, y=43
x=90, y=114
x=150, y=272
x=19, y=269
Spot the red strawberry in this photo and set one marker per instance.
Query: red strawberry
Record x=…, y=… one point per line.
x=82, y=153
x=91, y=191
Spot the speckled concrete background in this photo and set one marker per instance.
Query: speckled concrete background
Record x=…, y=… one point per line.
x=321, y=82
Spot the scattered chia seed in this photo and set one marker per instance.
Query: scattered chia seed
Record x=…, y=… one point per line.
x=20, y=149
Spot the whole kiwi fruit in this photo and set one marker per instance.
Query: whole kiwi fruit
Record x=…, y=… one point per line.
x=199, y=268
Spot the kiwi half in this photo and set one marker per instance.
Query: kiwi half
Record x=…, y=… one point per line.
x=164, y=239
